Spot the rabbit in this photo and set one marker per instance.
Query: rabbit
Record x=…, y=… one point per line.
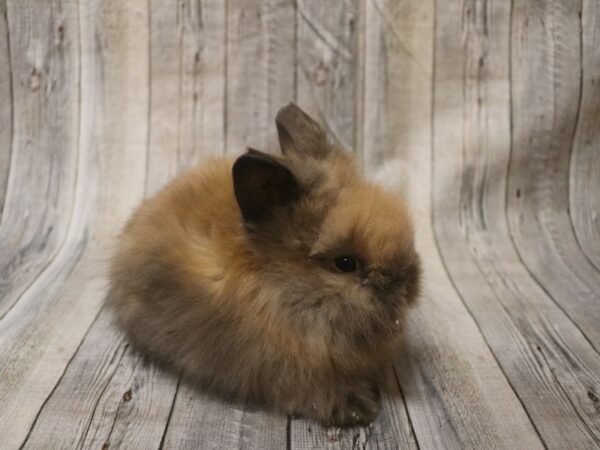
x=278, y=281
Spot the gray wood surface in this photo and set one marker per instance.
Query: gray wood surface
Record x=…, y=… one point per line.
x=585, y=159
x=485, y=114
x=6, y=109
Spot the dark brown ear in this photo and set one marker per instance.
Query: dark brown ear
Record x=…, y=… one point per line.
x=299, y=133
x=261, y=183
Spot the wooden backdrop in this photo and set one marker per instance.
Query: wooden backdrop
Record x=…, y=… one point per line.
x=489, y=112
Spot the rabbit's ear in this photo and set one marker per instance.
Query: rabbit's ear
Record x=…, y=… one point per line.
x=300, y=134
x=261, y=183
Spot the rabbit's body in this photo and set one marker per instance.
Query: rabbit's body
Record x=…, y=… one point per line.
x=232, y=276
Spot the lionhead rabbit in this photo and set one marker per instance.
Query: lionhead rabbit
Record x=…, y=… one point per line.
x=276, y=280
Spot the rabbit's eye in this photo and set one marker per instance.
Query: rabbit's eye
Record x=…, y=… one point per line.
x=345, y=263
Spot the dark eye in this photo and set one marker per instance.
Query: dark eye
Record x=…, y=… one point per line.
x=345, y=263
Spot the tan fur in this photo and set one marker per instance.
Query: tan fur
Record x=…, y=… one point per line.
x=255, y=310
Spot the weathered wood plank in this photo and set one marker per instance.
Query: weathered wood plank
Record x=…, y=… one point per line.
x=455, y=392
x=123, y=95
x=397, y=75
x=547, y=360
x=43, y=330
x=6, y=106
x=44, y=63
x=187, y=122
x=108, y=397
x=327, y=64
x=259, y=80
x=260, y=70
x=585, y=159
x=187, y=76
x=546, y=70
x=126, y=404
x=202, y=421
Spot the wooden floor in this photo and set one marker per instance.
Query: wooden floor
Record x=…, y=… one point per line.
x=487, y=111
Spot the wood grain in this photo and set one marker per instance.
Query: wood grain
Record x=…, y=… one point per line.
x=584, y=180
x=43, y=330
x=123, y=397
x=260, y=65
x=548, y=361
x=327, y=64
x=187, y=86
x=200, y=421
x=114, y=397
x=6, y=106
x=485, y=114
x=197, y=420
x=450, y=404
x=397, y=68
x=549, y=36
x=44, y=129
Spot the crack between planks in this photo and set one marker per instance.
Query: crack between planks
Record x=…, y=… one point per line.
x=121, y=402
x=39, y=413
x=410, y=423
x=360, y=81
x=168, y=422
x=433, y=221
x=568, y=398
x=97, y=402
x=226, y=78
x=180, y=20
x=288, y=440
x=296, y=51
x=149, y=113
x=12, y=116
x=575, y=129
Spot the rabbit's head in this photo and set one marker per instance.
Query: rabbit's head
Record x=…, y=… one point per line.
x=336, y=250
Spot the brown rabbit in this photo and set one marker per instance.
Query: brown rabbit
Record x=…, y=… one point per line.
x=280, y=281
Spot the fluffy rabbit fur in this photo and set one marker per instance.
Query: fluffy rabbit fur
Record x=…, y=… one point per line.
x=276, y=280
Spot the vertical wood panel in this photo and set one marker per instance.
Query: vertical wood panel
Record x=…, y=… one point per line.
x=327, y=64
x=258, y=54
x=39, y=195
x=102, y=102
x=120, y=400
x=547, y=360
x=260, y=70
x=107, y=396
x=397, y=81
x=187, y=76
x=546, y=72
x=6, y=105
x=44, y=329
x=451, y=404
x=585, y=159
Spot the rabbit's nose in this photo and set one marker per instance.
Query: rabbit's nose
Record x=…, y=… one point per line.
x=377, y=279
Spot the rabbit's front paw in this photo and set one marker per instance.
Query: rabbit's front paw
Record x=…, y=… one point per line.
x=356, y=407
